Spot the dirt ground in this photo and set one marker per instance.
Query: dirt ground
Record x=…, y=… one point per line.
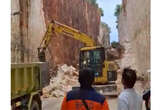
x=53, y=103
x=66, y=78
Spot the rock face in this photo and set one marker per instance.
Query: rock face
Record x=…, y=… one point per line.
x=74, y=13
x=104, y=38
x=27, y=29
x=134, y=34
x=29, y=21
x=65, y=79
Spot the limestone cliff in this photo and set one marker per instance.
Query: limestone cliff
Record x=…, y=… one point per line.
x=30, y=19
x=134, y=34
x=27, y=29
x=104, y=35
x=78, y=14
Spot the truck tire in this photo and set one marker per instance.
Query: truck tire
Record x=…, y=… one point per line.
x=35, y=106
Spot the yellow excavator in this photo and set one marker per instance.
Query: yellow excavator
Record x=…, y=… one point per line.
x=91, y=56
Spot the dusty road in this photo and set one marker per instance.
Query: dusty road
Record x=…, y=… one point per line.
x=51, y=103
x=55, y=103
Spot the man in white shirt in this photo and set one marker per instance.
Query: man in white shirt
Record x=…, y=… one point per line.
x=129, y=99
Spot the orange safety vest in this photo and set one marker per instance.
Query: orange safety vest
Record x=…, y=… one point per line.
x=94, y=100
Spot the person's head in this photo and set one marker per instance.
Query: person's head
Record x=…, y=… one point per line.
x=86, y=77
x=129, y=78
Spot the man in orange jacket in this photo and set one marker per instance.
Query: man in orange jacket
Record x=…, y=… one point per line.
x=84, y=98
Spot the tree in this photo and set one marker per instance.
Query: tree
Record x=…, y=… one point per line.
x=118, y=47
x=94, y=2
x=115, y=44
x=117, y=12
x=101, y=11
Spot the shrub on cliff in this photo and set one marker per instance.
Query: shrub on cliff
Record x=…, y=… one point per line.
x=117, y=13
x=94, y=2
x=101, y=11
x=117, y=10
x=118, y=47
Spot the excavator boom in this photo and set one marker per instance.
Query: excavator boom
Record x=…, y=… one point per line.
x=59, y=28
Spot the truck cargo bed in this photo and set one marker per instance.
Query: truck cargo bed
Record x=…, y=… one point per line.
x=26, y=78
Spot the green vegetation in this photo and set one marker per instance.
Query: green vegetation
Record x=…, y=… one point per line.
x=101, y=11
x=115, y=44
x=94, y=2
x=118, y=47
x=117, y=12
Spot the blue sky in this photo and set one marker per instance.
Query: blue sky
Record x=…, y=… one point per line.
x=109, y=8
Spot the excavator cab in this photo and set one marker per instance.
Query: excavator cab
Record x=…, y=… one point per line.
x=92, y=58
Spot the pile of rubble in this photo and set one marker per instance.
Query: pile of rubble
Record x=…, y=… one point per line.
x=67, y=76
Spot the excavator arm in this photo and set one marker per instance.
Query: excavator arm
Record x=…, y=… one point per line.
x=56, y=27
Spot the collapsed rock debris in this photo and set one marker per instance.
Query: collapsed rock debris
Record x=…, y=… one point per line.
x=67, y=76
